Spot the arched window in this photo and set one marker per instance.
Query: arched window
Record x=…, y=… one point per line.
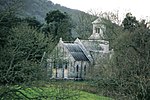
x=77, y=68
x=85, y=70
x=66, y=66
x=97, y=30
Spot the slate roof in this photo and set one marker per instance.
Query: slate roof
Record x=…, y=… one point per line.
x=76, y=52
x=97, y=21
x=92, y=45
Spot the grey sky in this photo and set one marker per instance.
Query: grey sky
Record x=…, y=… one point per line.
x=139, y=8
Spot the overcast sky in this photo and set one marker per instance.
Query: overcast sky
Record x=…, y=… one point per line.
x=138, y=8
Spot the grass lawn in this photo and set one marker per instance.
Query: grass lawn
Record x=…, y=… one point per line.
x=54, y=91
x=61, y=93
x=90, y=96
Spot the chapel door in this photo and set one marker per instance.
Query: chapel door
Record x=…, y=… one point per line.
x=66, y=71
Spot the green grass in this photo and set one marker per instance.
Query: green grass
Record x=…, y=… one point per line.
x=55, y=91
x=65, y=94
x=90, y=96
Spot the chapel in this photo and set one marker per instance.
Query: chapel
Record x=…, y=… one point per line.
x=70, y=60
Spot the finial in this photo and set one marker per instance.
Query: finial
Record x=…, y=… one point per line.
x=60, y=39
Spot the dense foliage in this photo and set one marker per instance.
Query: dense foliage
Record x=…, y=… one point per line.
x=132, y=60
x=24, y=43
x=23, y=51
x=126, y=75
x=59, y=25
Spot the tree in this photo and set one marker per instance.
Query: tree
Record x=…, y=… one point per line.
x=58, y=25
x=6, y=23
x=8, y=19
x=131, y=57
x=23, y=62
x=55, y=16
x=130, y=23
x=126, y=74
x=84, y=25
x=32, y=22
x=22, y=55
x=23, y=52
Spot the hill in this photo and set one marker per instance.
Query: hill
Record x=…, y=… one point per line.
x=39, y=8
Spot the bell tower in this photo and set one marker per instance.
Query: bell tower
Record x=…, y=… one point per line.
x=98, y=29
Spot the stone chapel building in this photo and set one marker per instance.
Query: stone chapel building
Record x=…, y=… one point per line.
x=71, y=60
